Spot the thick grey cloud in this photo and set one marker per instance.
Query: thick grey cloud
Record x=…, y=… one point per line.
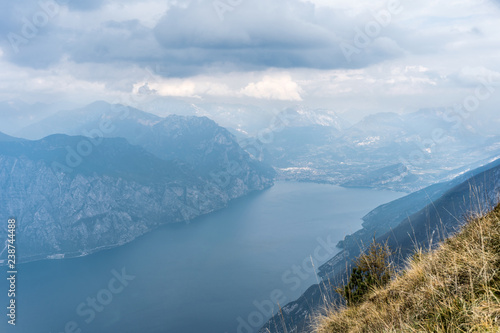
x=263, y=33
x=30, y=34
x=28, y=37
x=196, y=37
x=274, y=50
x=113, y=41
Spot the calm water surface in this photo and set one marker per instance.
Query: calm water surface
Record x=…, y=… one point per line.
x=201, y=277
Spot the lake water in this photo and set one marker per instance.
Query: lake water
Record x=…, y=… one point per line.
x=219, y=273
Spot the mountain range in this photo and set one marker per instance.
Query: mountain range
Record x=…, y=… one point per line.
x=402, y=152
x=130, y=173
x=95, y=177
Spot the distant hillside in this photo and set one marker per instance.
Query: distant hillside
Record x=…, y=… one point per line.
x=455, y=288
x=388, y=216
x=72, y=197
x=404, y=152
x=421, y=218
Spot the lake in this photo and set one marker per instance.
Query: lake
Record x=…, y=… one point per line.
x=220, y=273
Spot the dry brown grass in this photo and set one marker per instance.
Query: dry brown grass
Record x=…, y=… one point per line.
x=455, y=288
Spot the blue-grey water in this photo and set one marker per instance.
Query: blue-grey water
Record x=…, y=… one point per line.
x=200, y=277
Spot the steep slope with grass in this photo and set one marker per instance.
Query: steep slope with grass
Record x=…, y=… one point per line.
x=448, y=205
x=454, y=288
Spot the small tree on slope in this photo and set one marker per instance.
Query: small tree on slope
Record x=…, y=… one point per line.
x=370, y=270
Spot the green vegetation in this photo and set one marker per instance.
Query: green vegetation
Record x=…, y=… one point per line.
x=455, y=288
x=371, y=270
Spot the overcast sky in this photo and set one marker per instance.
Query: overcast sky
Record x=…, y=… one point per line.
x=350, y=56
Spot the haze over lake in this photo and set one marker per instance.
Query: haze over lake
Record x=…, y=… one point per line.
x=201, y=276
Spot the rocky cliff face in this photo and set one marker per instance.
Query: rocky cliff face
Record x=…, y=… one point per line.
x=73, y=196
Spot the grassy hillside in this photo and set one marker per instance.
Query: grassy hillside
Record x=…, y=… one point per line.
x=455, y=288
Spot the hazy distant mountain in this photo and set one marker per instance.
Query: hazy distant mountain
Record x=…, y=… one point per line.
x=117, y=119
x=16, y=114
x=244, y=119
x=166, y=106
x=301, y=116
x=248, y=120
x=385, y=150
x=426, y=129
x=300, y=146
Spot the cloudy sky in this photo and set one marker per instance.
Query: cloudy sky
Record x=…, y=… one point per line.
x=351, y=56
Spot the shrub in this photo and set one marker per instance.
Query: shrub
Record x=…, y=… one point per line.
x=371, y=270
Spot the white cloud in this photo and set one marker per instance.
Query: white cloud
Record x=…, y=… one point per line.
x=279, y=87
x=477, y=75
x=270, y=86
